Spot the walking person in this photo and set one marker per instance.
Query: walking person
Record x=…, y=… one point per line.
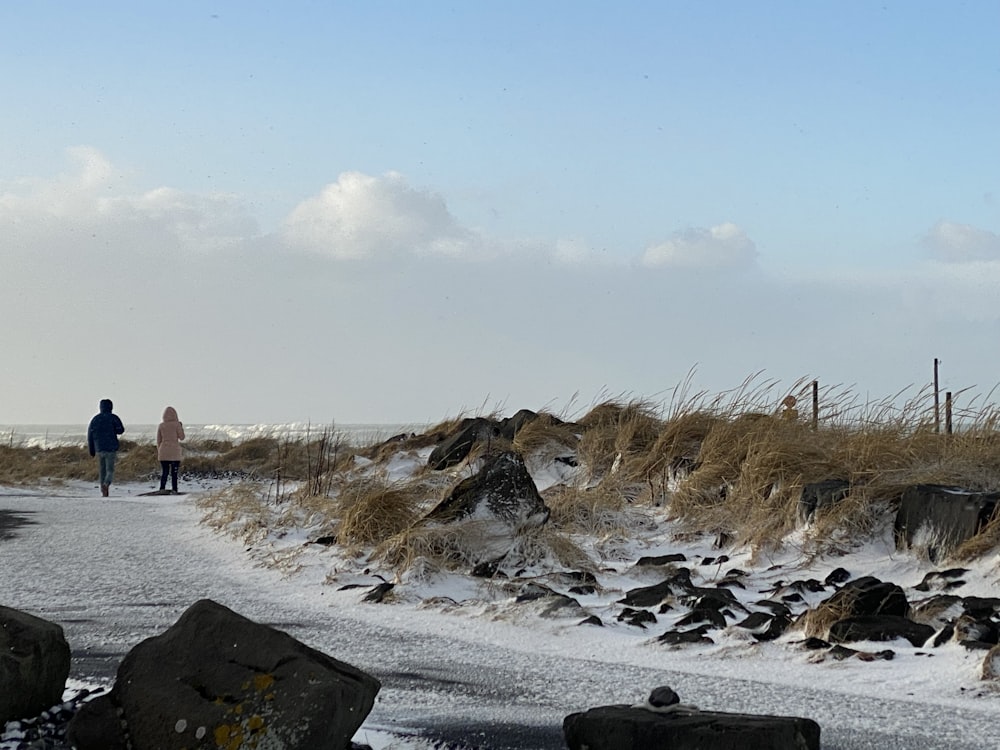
x=102, y=440
x=168, y=447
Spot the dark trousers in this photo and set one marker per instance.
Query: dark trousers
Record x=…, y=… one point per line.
x=171, y=467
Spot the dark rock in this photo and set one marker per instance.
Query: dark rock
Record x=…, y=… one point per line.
x=710, y=598
x=379, y=592
x=879, y=628
x=637, y=617
x=217, y=679
x=981, y=606
x=976, y=645
x=712, y=617
x=818, y=495
x=559, y=605
x=720, y=560
x=97, y=724
x=943, y=636
x=677, y=728
x=840, y=653
x=652, y=596
x=731, y=582
x=643, y=562
x=940, y=579
x=766, y=626
x=663, y=696
x=584, y=577
x=814, y=644
x=778, y=608
x=486, y=569
x=972, y=628
x=34, y=664
x=682, y=637
x=456, y=448
x=532, y=591
x=939, y=518
x=583, y=590
x=755, y=621
x=510, y=426
x=503, y=489
x=837, y=576
x=592, y=620
x=868, y=596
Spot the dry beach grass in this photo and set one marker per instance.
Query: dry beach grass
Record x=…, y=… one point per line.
x=729, y=465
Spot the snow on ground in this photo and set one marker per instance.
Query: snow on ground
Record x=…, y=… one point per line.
x=497, y=658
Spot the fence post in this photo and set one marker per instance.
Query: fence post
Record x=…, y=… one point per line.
x=815, y=389
x=947, y=412
x=937, y=401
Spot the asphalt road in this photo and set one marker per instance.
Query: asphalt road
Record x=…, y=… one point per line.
x=113, y=572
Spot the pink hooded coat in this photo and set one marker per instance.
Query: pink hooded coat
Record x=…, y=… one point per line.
x=168, y=436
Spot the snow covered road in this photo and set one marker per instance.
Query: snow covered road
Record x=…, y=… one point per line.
x=113, y=572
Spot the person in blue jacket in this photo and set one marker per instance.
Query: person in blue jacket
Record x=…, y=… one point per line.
x=102, y=440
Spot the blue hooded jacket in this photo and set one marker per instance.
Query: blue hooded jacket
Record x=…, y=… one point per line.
x=104, y=429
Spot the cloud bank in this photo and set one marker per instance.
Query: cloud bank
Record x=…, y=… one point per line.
x=951, y=242
x=374, y=302
x=719, y=247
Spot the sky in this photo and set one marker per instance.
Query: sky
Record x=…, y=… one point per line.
x=401, y=212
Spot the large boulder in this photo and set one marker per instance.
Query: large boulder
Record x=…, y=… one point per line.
x=662, y=723
x=861, y=597
x=938, y=519
x=457, y=447
x=34, y=664
x=880, y=628
x=215, y=679
x=502, y=490
x=510, y=426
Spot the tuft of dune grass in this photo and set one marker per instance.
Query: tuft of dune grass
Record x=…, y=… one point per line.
x=616, y=436
x=544, y=433
x=372, y=510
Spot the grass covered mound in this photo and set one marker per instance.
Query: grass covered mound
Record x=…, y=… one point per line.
x=732, y=465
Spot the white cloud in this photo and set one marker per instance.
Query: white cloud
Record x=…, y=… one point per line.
x=961, y=243
x=719, y=247
x=95, y=200
x=360, y=216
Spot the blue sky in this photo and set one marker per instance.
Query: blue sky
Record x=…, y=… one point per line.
x=374, y=211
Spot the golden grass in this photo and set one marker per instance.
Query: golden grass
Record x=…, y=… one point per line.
x=728, y=463
x=595, y=510
x=371, y=510
x=543, y=433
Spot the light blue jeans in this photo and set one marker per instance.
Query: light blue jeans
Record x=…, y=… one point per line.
x=106, y=465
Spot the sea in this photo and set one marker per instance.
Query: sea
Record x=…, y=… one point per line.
x=58, y=435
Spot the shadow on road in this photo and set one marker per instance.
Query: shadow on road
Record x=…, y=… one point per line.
x=12, y=520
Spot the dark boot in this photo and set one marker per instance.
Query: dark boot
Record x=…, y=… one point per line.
x=104, y=489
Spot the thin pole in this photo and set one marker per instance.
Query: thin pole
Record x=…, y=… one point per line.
x=815, y=404
x=937, y=398
x=947, y=412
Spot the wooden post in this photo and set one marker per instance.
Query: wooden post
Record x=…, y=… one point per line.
x=937, y=399
x=947, y=412
x=815, y=389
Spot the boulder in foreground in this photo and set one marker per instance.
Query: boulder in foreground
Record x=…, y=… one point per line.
x=34, y=664
x=215, y=679
x=665, y=724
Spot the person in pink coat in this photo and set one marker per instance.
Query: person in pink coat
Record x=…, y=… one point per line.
x=168, y=447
